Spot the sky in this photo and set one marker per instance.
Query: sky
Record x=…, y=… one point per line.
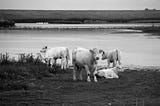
x=80, y=4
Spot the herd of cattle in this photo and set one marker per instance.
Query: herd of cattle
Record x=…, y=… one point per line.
x=85, y=59
x=82, y=59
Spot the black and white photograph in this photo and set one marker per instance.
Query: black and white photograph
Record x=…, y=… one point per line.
x=79, y=52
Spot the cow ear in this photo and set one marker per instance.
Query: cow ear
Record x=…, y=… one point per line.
x=95, y=50
x=101, y=51
x=91, y=51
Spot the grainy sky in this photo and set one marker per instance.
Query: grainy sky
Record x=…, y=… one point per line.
x=80, y=4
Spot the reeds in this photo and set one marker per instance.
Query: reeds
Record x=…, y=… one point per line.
x=15, y=73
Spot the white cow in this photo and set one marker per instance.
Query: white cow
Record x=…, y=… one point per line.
x=83, y=59
x=108, y=73
x=112, y=56
x=52, y=54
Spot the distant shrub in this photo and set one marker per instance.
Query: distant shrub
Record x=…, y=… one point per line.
x=146, y=9
x=6, y=23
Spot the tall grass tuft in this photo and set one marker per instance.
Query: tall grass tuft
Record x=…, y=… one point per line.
x=4, y=58
x=17, y=74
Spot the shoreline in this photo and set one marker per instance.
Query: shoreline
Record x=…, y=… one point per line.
x=150, y=27
x=143, y=28
x=142, y=67
x=153, y=30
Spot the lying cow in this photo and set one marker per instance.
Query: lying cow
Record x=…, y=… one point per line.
x=108, y=73
x=83, y=59
x=112, y=56
x=52, y=54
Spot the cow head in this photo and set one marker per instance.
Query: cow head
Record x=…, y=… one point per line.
x=95, y=53
x=119, y=68
x=102, y=54
x=44, y=49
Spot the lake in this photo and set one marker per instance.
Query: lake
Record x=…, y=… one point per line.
x=137, y=48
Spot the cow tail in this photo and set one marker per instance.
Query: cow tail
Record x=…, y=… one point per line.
x=118, y=55
x=74, y=57
x=68, y=56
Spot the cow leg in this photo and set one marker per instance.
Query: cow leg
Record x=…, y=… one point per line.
x=116, y=76
x=66, y=63
x=62, y=63
x=88, y=73
x=94, y=75
x=74, y=72
x=67, y=66
x=114, y=63
x=108, y=61
x=55, y=61
x=51, y=63
x=80, y=75
x=119, y=62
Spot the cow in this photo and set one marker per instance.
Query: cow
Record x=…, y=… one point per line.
x=50, y=55
x=86, y=59
x=112, y=56
x=109, y=73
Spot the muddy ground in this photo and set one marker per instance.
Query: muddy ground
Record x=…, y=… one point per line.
x=133, y=88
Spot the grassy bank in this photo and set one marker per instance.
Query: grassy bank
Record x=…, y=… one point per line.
x=6, y=23
x=148, y=29
x=27, y=84
x=30, y=82
x=153, y=29
x=81, y=16
x=21, y=74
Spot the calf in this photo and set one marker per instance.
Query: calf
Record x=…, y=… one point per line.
x=112, y=56
x=52, y=54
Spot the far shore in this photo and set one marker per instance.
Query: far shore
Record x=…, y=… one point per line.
x=143, y=29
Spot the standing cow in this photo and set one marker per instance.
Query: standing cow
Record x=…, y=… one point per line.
x=52, y=54
x=112, y=56
x=84, y=59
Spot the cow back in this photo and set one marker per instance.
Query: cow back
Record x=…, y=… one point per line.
x=58, y=52
x=81, y=57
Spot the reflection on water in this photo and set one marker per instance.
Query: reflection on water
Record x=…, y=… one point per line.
x=34, y=25
x=136, y=47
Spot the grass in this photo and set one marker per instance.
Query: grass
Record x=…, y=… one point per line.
x=16, y=74
x=33, y=83
x=81, y=16
x=133, y=87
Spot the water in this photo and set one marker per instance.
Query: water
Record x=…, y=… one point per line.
x=137, y=48
x=45, y=25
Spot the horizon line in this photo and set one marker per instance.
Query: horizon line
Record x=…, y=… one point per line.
x=85, y=9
